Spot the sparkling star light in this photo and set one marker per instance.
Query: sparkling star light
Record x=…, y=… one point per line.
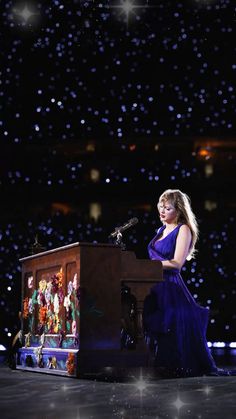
x=128, y=7
x=207, y=390
x=25, y=13
x=178, y=404
x=141, y=384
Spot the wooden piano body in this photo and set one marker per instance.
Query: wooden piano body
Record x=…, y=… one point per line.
x=73, y=309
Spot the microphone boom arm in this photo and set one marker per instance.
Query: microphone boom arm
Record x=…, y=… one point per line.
x=118, y=231
x=124, y=227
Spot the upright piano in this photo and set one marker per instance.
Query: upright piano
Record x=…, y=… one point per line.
x=82, y=309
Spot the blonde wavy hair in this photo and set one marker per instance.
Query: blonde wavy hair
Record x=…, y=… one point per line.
x=185, y=215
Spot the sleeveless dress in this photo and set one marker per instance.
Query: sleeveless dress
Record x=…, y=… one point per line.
x=174, y=324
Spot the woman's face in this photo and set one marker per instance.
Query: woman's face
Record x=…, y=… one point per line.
x=167, y=211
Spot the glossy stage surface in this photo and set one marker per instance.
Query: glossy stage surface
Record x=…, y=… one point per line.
x=140, y=395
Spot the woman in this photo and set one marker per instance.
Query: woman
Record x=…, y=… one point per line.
x=174, y=324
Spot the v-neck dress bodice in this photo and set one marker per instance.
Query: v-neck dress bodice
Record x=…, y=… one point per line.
x=163, y=248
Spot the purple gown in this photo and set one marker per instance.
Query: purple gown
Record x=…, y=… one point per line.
x=174, y=324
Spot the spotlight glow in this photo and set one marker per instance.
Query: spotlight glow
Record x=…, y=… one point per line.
x=2, y=348
x=219, y=344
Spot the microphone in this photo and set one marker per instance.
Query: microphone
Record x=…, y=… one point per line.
x=124, y=227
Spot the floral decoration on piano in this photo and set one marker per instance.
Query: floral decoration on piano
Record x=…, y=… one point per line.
x=46, y=305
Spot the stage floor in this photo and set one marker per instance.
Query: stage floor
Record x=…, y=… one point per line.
x=39, y=396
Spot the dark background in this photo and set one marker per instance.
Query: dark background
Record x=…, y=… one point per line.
x=100, y=113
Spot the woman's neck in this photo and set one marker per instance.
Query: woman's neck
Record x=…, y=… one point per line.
x=170, y=226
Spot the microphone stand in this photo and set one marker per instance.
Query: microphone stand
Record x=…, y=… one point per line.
x=118, y=232
x=119, y=241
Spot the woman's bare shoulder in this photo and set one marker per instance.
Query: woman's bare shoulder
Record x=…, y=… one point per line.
x=184, y=229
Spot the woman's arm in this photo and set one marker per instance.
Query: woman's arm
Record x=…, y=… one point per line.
x=183, y=242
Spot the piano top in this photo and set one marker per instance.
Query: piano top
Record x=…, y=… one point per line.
x=131, y=267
